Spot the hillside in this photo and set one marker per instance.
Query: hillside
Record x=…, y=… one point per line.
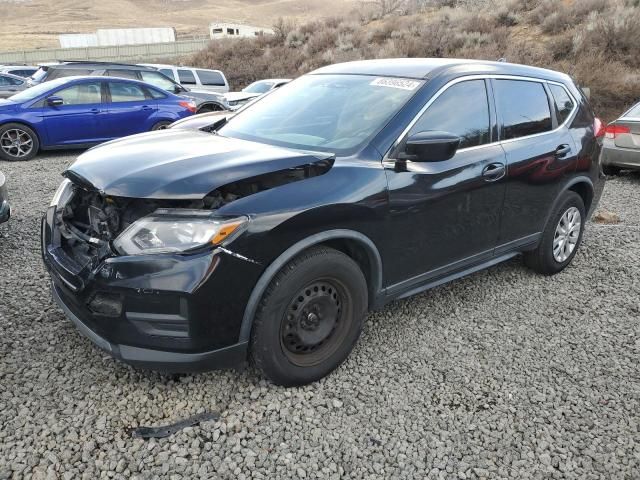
x=28, y=24
x=595, y=41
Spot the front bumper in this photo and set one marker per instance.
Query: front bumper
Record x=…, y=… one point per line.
x=173, y=313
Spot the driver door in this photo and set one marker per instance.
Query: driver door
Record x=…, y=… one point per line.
x=445, y=215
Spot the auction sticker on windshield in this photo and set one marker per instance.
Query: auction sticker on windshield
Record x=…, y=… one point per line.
x=402, y=83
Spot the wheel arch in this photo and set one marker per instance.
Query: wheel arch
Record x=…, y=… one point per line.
x=354, y=244
x=581, y=185
x=209, y=106
x=32, y=127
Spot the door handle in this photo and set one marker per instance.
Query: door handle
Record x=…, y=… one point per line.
x=147, y=107
x=494, y=171
x=563, y=150
x=95, y=111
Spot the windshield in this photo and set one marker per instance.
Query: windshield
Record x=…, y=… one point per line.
x=259, y=87
x=39, y=75
x=36, y=91
x=334, y=113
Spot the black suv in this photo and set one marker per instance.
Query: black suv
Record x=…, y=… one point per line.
x=354, y=185
x=205, y=101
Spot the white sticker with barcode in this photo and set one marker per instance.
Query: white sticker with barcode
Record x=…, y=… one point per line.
x=402, y=83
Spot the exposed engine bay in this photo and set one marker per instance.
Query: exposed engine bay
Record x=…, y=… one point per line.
x=90, y=221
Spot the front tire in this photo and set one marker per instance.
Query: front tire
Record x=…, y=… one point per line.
x=310, y=317
x=561, y=237
x=163, y=125
x=18, y=142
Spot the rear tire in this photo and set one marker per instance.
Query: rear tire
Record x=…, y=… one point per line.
x=561, y=237
x=310, y=317
x=18, y=142
x=161, y=125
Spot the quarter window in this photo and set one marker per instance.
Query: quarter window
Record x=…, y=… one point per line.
x=209, y=77
x=524, y=108
x=81, y=94
x=186, y=77
x=123, y=74
x=564, y=102
x=463, y=110
x=126, y=92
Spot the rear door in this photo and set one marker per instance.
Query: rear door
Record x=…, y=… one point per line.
x=540, y=155
x=75, y=121
x=130, y=110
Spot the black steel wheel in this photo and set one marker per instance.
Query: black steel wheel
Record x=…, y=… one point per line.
x=310, y=317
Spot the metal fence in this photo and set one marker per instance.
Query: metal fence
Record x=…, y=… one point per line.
x=121, y=53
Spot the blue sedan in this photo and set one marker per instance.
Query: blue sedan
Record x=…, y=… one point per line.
x=77, y=112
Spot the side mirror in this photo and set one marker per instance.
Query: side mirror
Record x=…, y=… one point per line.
x=430, y=146
x=55, y=101
x=179, y=88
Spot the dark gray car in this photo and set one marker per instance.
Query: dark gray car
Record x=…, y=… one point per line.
x=621, y=147
x=11, y=84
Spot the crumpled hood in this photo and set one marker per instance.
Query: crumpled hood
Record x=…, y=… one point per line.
x=179, y=164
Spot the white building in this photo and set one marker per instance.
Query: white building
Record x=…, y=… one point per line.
x=223, y=30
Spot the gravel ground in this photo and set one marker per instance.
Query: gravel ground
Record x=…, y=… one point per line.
x=502, y=374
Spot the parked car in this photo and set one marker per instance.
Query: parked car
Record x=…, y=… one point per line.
x=194, y=78
x=11, y=84
x=205, y=101
x=23, y=71
x=184, y=250
x=82, y=111
x=236, y=100
x=621, y=148
x=5, y=208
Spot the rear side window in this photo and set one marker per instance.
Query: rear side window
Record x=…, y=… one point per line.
x=524, y=108
x=564, y=102
x=463, y=109
x=126, y=92
x=186, y=77
x=634, y=112
x=67, y=72
x=168, y=72
x=81, y=94
x=209, y=77
x=123, y=74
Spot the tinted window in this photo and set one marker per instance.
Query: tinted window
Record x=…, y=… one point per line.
x=14, y=81
x=209, y=77
x=67, y=72
x=564, y=103
x=158, y=80
x=4, y=81
x=123, y=74
x=186, y=77
x=126, y=92
x=168, y=72
x=463, y=109
x=524, y=107
x=80, y=94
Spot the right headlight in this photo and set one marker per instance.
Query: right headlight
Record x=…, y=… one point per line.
x=177, y=231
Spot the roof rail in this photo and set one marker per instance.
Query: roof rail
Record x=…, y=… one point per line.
x=102, y=63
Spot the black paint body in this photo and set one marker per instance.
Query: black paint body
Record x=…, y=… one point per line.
x=409, y=226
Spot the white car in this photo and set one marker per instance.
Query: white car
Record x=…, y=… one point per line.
x=194, y=78
x=256, y=89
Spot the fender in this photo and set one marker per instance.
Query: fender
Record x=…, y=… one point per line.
x=570, y=183
x=291, y=252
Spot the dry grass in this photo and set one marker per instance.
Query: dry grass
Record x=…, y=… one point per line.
x=28, y=24
x=595, y=41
